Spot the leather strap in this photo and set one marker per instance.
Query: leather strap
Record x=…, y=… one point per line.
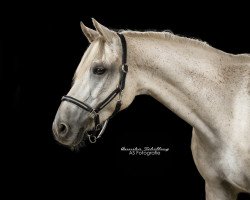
x=124, y=48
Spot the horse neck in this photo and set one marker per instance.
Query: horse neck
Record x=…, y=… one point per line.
x=182, y=74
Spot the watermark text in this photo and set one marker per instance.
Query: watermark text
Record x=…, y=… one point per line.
x=144, y=151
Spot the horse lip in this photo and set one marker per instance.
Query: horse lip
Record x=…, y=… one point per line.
x=82, y=135
x=79, y=138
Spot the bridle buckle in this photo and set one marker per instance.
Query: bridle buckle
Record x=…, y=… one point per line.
x=125, y=68
x=98, y=127
x=93, y=114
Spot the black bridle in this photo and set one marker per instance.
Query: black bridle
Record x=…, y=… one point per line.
x=94, y=112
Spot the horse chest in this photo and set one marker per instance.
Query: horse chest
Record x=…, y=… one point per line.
x=235, y=168
x=229, y=164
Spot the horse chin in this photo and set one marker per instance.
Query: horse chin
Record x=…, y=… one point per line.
x=82, y=139
x=79, y=141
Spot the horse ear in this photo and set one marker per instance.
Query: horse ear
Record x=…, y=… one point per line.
x=90, y=34
x=104, y=31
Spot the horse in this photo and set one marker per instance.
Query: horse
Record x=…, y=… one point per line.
x=208, y=88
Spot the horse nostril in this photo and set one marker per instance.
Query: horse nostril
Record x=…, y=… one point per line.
x=62, y=129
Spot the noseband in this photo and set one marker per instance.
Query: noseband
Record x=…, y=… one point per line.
x=94, y=112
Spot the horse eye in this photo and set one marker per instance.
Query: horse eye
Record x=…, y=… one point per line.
x=99, y=70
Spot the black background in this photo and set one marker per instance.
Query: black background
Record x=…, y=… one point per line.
x=41, y=46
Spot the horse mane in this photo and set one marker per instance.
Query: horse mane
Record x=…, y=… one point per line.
x=165, y=35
